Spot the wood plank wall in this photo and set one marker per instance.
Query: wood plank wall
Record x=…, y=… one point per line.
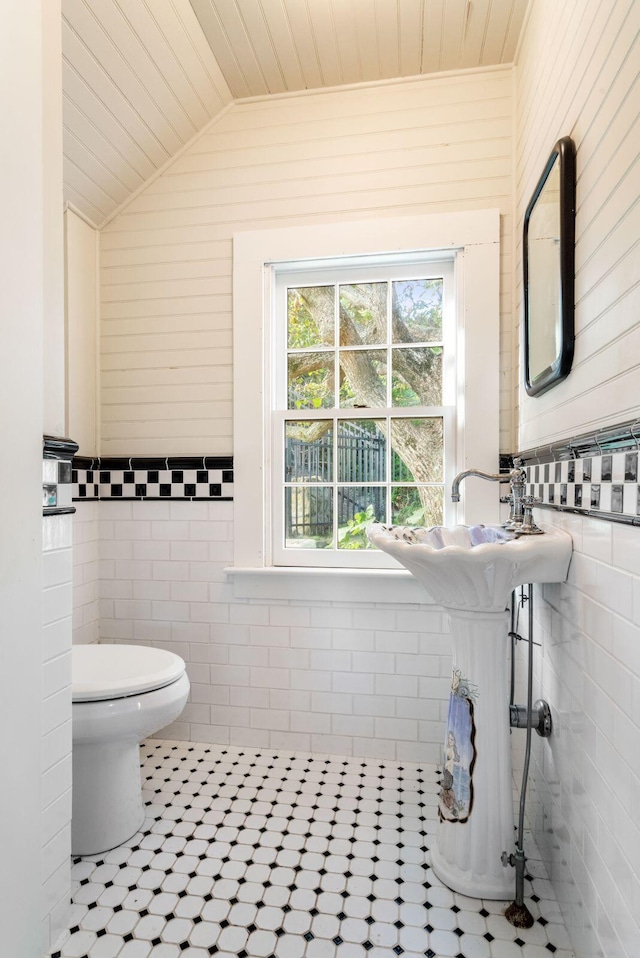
x=425, y=145
x=578, y=74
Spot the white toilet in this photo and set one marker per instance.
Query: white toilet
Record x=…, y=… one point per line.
x=121, y=694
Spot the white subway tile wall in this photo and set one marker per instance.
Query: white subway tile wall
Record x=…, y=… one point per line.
x=56, y=720
x=344, y=677
x=85, y=573
x=586, y=777
x=351, y=679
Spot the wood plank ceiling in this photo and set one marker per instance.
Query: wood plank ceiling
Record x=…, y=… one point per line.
x=142, y=77
x=273, y=46
x=139, y=81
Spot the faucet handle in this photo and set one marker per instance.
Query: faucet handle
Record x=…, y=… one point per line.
x=528, y=526
x=506, y=498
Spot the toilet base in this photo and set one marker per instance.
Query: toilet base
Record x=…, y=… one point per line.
x=107, y=796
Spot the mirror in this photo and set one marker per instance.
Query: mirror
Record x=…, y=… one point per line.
x=548, y=262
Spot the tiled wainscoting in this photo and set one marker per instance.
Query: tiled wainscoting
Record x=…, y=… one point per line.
x=56, y=744
x=355, y=678
x=56, y=683
x=247, y=853
x=586, y=778
x=585, y=789
x=86, y=572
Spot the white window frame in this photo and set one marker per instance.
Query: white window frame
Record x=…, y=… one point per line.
x=474, y=240
x=336, y=272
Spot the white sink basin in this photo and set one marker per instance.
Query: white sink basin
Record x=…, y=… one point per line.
x=475, y=567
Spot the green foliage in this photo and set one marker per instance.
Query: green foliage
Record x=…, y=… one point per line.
x=303, y=328
x=415, y=518
x=354, y=534
x=347, y=395
x=400, y=472
x=402, y=394
x=416, y=307
x=407, y=508
x=416, y=507
x=311, y=390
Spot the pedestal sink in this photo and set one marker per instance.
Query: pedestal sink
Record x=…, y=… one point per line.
x=471, y=571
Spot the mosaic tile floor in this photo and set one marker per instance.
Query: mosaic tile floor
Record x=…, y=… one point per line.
x=256, y=854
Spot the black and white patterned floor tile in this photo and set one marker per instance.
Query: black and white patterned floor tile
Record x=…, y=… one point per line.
x=257, y=854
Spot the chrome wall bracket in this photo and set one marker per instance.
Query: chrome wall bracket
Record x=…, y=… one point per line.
x=539, y=719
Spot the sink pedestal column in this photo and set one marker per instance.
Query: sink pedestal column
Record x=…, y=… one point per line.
x=476, y=796
x=471, y=572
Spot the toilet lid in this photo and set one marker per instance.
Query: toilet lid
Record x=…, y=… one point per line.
x=114, y=671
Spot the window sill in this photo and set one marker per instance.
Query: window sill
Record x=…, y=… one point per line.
x=394, y=586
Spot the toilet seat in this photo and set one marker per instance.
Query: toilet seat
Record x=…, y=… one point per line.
x=103, y=672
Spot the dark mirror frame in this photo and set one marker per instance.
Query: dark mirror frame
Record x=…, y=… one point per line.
x=565, y=153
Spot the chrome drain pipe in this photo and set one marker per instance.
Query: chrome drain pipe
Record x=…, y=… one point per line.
x=527, y=716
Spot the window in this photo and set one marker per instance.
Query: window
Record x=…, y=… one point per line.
x=310, y=390
x=364, y=404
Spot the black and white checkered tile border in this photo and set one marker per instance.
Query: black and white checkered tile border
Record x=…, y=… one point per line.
x=198, y=478
x=593, y=475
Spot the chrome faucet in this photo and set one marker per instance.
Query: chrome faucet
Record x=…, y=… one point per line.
x=520, y=518
x=491, y=476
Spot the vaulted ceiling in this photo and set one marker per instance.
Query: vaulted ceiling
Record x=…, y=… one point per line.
x=273, y=46
x=142, y=77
